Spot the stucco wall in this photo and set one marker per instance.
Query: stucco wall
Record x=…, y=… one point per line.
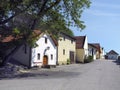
x=86, y=47
x=80, y=55
x=21, y=56
x=66, y=45
x=92, y=51
x=43, y=48
x=97, y=55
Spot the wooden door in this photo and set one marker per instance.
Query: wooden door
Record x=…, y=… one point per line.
x=45, y=60
x=72, y=57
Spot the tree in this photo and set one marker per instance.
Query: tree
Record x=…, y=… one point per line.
x=24, y=16
x=71, y=10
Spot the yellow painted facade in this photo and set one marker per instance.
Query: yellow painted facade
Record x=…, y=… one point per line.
x=65, y=45
x=80, y=55
x=97, y=55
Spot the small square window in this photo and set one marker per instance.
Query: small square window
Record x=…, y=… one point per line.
x=45, y=40
x=72, y=41
x=38, y=56
x=51, y=56
x=63, y=51
x=25, y=49
x=64, y=38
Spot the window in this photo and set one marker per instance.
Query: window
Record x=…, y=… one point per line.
x=25, y=48
x=63, y=51
x=71, y=41
x=64, y=38
x=51, y=57
x=45, y=40
x=38, y=56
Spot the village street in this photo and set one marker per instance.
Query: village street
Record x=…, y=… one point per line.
x=98, y=75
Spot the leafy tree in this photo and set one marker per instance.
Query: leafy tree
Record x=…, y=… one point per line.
x=31, y=12
x=21, y=17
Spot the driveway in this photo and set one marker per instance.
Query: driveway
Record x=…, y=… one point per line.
x=98, y=75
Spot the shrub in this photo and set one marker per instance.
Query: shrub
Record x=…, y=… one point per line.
x=88, y=59
x=68, y=61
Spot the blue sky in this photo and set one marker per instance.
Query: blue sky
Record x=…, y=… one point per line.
x=102, y=22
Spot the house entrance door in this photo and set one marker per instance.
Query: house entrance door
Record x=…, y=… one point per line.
x=45, y=60
x=72, y=57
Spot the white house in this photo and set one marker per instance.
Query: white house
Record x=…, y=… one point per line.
x=46, y=51
x=45, y=54
x=92, y=50
x=112, y=55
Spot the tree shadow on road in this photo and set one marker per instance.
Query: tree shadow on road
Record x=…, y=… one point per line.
x=42, y=75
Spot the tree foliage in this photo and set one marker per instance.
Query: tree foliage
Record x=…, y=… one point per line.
x=23, y=16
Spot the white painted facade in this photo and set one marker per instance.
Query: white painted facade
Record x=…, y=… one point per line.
x=49, y=49
x=92, y=51
x=86, y=47
x=34, y=56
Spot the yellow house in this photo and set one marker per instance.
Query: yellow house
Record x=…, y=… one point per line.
x=66, y=49
x=81, y=48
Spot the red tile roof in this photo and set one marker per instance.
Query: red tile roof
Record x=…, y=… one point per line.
x=80, y=41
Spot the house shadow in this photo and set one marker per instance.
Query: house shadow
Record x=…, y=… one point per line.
x=117, y=62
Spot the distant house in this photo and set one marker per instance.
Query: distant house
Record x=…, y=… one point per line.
x=66, y=49
x=92, y=50
x=112, y=55
x=102, y=54
x=98, y=52
x=81, y=48
x=44, y=54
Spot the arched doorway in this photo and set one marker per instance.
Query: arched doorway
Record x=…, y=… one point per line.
x=45, y=60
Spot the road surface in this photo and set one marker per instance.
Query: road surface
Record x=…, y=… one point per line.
x=98, y=75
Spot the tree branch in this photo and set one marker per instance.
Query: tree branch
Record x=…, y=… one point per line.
x=6, y=20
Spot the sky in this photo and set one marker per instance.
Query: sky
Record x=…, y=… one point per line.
x=102, y=22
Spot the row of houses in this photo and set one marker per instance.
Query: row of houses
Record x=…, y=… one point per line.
x=52, y=52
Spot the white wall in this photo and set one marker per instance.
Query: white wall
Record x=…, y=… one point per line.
x=92, y=50
x=86, y=47
x=41, y=50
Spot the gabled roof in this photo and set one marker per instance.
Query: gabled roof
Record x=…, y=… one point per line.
x=36, y=33
x=80, y=40
x=113, y=52
x=92, y=45
x=96, y=45
x=67, y=35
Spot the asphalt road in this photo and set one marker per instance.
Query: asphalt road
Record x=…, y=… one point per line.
x=98, y=75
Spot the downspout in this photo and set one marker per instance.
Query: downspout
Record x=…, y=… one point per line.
x=30, y=57
x=57, y=56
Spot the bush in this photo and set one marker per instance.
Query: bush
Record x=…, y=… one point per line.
x=88, y=59
x=68, y=61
